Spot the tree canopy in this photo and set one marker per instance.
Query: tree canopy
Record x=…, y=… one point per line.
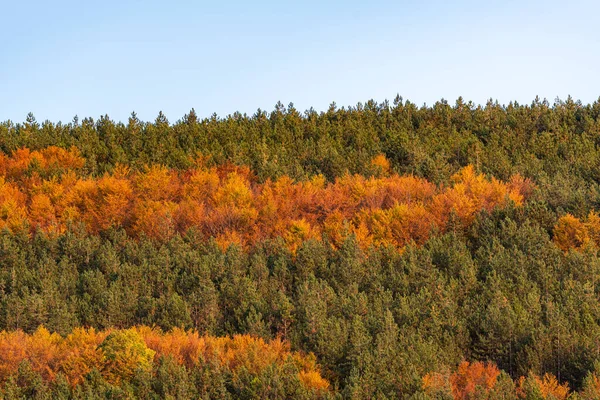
x=376, y=251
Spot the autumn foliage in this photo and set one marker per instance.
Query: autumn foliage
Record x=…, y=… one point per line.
x=479, y=380
x=469, y=381
x=48, y=190
x=571, y=232
x=119, y=354
x=546, y=387
x=390, y=240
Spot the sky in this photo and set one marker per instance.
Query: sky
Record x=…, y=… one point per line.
x=64, y=58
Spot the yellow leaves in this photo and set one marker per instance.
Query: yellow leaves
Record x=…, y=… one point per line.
x=52, y=188
x=42, y=214
x=40, y=349
x=12, y=352
x=548, y=387
x=119, y=354
x=456, y=200
x=42, y=352
x=313, y=379
x=121, y=171
x=185, y=347
x=202, y=185
x=398, y=225
x=56, y=157
x=381, y=165
x=234, y=191
x=49, y=160
x=299, y=231
x=521, y=188
x=155, y=219
x=465, y=175
x=80, y=354
x=247, y=352
x=407, y=189
x=472, y=193
x=473, y=377
x=13, y=214
x=227, y=204
x=336, y=228
x=18, y=162
x=469, y=381
x=113, y=204
x=229, y=237
x=570, y=233
x=10, y=192
x=551, y=389
x=156, y=183
x=316, y=184
x=436, y=382
x=593, y=227
x=478, y=380
x=83, y=195
x=124, y=353
x=230, y=218
x=189, y=213
x=237, y=352
x=381, y=211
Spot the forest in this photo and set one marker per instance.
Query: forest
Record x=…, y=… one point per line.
x=378, y=251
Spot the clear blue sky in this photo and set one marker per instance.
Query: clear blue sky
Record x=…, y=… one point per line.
x=90, y=58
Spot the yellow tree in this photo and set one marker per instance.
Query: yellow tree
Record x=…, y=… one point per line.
x=124, y=353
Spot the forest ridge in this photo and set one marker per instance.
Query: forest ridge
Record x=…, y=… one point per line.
x=377, y=251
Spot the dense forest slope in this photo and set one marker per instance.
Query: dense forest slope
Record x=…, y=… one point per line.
x=378, y=251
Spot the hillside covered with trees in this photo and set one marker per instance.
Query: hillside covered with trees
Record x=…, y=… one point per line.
x=378, y=251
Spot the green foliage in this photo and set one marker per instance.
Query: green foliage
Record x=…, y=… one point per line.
x=377, y=320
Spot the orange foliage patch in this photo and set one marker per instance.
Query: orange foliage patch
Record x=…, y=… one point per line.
x=83, y=350
x=470, y=377
x=468, y=380
x=381, y=164
x=478, y=380
x=226, y=203
x=572, y=233
x=548, y=386
x=49, y=160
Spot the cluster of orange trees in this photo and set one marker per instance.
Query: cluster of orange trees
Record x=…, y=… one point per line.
x=48, y=190
x=571, y=232
x=118, y=355
x=479, y=380
x=121, y=354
